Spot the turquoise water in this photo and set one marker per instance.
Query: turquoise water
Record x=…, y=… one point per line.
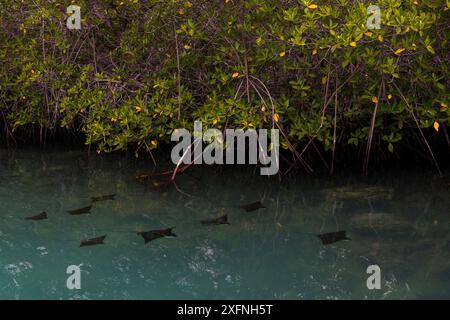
x=399, y=221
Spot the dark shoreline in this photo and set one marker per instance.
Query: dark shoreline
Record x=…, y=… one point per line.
x=401, y=162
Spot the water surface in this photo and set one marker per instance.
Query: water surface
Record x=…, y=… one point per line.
x=397, y=220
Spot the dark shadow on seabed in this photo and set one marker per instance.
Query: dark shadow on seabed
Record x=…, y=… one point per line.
x=398, y=220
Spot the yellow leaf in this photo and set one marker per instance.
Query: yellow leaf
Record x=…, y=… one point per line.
x=138, y=109
x=235, y=75
x=312, y=6
x=436, y=126
x=282, y=54
x=368, y=33
x=430, y=48
x=444, y=105
x=214, y=121
x=276, y=117
x=324, y=80
x=398, y=51
x=314, y=52
x=353, y=44
x=380, y=38
x=187, y=47
x=188, y=4
x=374, y=99
x=154, y=143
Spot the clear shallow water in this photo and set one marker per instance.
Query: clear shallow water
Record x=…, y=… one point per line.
x=399, y=221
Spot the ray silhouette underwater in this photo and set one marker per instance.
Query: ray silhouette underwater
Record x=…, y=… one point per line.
x=216, y=221
x=93, y=241
x=253, y=206
x=148, y=236
x=39, y=216
x=156, y=234
x=84, y=210
x=103, y=198
x=329, y=237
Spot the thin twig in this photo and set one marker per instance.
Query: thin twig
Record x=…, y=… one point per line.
x=421, y=131
x=178, y=71
x=371, y=130
x=334, y=125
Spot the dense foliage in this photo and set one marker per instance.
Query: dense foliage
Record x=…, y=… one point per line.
x=137, y=69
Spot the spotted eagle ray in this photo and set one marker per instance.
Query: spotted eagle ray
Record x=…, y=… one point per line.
x=253, y=206
x=81, y=210
x=92, y=241
x=40, y=216
x=103, y=198
x=331, y=237
x=156, y=234
x=216, y=221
